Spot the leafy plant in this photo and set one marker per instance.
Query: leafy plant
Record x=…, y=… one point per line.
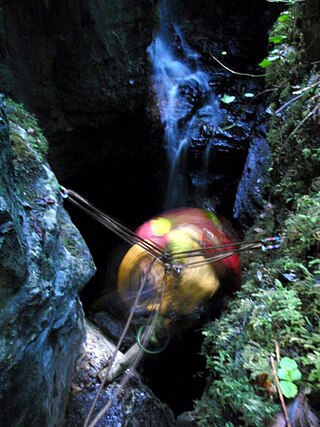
x=277, y=39
x=227, y=99
x=280, y=296
x=288, y=374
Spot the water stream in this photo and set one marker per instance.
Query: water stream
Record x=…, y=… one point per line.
x=186, y=101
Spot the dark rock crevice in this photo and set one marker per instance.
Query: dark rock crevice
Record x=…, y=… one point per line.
x=136, y=192
x=84, y=70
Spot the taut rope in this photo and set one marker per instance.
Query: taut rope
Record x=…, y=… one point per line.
x=212, y=253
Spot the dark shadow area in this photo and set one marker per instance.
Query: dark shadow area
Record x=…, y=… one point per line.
x=127, y=184
x=177, y=375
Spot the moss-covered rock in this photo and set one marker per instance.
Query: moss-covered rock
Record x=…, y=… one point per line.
x=280, y=297
x=24, y=127
x=41, y=273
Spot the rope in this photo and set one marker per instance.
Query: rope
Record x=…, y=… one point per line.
x=146, y=350
x=124, y=332
x=146, y=338
x=112, y=224
x=217, y=252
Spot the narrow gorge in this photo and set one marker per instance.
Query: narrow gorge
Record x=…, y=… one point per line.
x=141, y=108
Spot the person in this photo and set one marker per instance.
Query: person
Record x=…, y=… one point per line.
x=190, y=273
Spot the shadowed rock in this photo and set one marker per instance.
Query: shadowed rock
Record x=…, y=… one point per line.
x=44, y=262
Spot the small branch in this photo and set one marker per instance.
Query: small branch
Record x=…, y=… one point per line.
x=268, y=90
x=288, y=103
x=236, y=72
x=306, y=88
x=277, y=351
x=276, y=379
x=299, y=93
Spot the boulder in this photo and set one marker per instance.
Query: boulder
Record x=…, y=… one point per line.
x=311, y=29
x=44, y=262
x=136, y=405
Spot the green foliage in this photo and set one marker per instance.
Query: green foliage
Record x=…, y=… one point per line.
x=303, y=228
x=288, y=374
x=313, y=360
x=266, y=62
x=289, y=389
x=277, y=39
x=268, y=308
x=244, y=405
x=227, y=99
x=294, y=113
x=238, y=345
x=279, y=35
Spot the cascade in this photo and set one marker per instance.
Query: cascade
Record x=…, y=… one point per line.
x=186, y=101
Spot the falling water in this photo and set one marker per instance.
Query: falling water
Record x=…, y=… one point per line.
x=186, y=101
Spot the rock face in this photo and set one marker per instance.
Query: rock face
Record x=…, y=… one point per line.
x=249, y=198
x=136, y=405
x=44, y=262
x=82, y=68
x=76, y=63
x=311, y=28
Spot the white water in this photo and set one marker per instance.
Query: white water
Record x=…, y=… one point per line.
x=175, y=82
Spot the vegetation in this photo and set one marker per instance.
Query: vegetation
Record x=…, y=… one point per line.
x=24, y=128
x=280, y=298
x=288, y=373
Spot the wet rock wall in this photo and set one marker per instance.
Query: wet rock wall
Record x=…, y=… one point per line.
x=44, y=263
x=76, y=62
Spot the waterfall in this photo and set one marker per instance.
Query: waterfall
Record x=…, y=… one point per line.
x=186, y=101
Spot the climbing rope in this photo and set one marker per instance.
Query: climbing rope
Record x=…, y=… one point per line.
x=144, y=339
x=212, y=253
x=112, y=224
x=226, y=250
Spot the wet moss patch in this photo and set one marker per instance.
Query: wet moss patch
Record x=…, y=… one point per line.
x=280, y=297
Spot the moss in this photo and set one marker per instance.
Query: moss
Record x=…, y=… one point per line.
x=69, y=239
x=19, y=116
x=295, y=111
x=280, y=297
x=20, y=147
x=279, y=301
x=70, y=244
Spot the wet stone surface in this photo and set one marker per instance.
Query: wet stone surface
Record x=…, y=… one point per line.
x=136, y=405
